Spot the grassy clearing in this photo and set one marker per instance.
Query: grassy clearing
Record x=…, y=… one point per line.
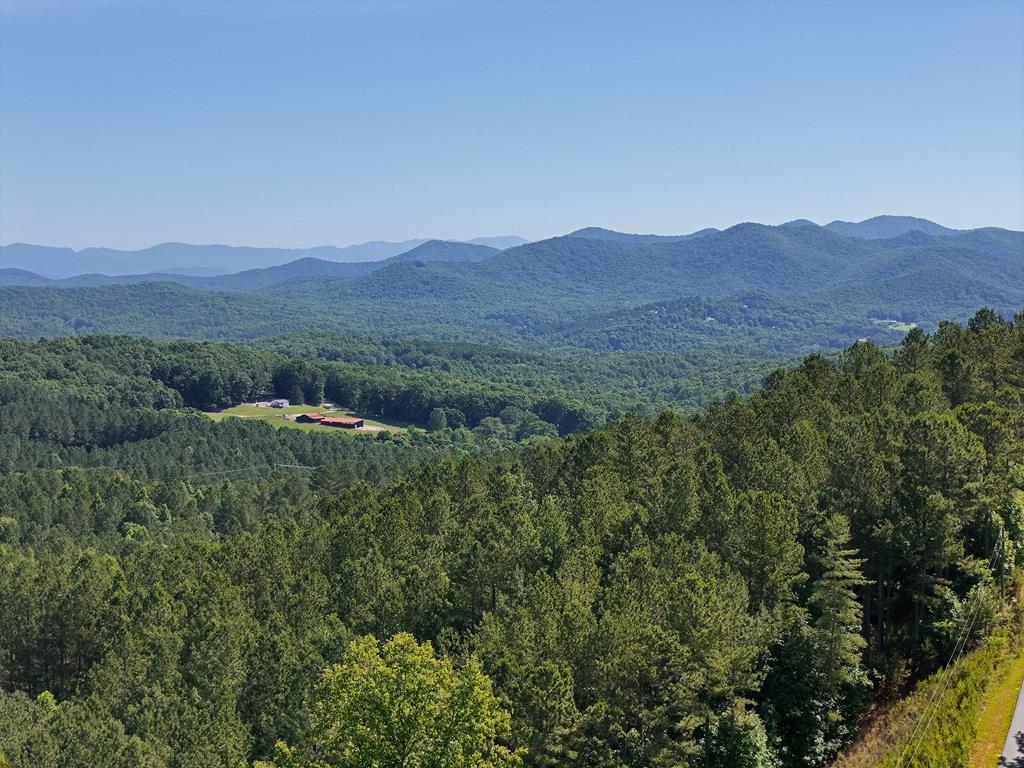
x=277, y=417
x=895, y=325
x=953, y=721
x=995, y=719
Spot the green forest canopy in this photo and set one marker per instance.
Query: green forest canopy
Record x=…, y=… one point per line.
x=729, y=588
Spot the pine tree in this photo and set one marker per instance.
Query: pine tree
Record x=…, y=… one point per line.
x=835, y=612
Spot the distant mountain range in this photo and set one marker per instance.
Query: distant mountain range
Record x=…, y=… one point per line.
x=788, y=288
x=878, y=227
x=23, y=264
x=501, y=243
x=599, y=233
x=201, y=260
x=255, y=279
x=889, y=226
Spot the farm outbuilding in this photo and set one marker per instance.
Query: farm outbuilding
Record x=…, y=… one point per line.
x=347, y=422
x=279, y=403
x=309, y=418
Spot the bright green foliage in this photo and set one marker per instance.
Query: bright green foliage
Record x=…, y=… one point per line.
x=737, y=740
x=953, y=699
x=398, y=704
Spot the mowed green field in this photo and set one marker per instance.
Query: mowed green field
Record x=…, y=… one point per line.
x=277, y=417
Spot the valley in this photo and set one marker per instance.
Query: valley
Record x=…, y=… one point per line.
x=729, y=554
x=579, y=457
x=781, y=290
x=475, y=384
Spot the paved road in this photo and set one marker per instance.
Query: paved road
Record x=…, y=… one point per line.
x=1013, y=747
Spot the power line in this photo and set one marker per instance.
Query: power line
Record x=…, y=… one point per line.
x=945, y=685
x=946, y=674
x=915, y=741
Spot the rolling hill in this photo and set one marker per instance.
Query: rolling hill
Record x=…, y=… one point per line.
x=446, y=250
x=13, y=276
x=264, y=277
x=181, y=257
x=888, y=226
x=599, y=233
x=184, y=259
x=803, y=287
x=877, y=227
x=501, y=242
x=572, y=276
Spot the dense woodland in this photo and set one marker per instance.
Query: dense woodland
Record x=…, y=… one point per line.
x=130, y=402
x=727, y=588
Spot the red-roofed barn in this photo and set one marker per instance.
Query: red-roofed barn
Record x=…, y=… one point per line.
x=348, y=422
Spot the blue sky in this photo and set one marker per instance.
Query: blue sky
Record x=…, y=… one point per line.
x=310, y=122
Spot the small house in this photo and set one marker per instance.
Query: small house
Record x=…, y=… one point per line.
x=347, y=422
x=309, y=418
x=279, y=403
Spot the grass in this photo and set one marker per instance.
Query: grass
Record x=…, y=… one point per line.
x=276, y=418
x=995, y=718
x=951, y=703
x=895, y=325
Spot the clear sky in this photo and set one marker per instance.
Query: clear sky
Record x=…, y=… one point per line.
x=265, y=122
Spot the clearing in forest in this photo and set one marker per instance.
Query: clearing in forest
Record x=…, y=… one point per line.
x=285, y=417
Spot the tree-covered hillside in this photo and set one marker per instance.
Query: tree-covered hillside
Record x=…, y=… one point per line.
x=817, y=290
x=260, y=277
x=184, y=258
x=730, y=589
x=128, y=402
x=888, y=226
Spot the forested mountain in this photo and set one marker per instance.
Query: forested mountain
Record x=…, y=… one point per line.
x=187, y=260
x=501, y=242
x=599, y=233
x=446, y=250
x=66, y=262
x=263, y=277
x=14, y=276
x=787, y=290
x=888, y=226
x=727, y=590
x=247, y=280
x=574, y=522
x=877, y=227
x=745, y=321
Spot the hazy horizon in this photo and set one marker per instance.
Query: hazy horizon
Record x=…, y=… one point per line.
x=342, y=245
x=295, y=125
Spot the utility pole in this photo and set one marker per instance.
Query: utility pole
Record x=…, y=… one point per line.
x=1003, y=563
